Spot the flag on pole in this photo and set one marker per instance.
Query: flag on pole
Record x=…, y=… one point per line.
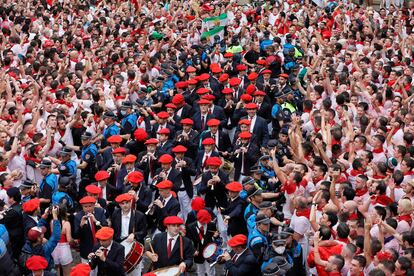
x=211, y=22
x=219, y=30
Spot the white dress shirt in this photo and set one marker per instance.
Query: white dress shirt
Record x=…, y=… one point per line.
x=125, y=218
x=173, y=241
x=252, y=122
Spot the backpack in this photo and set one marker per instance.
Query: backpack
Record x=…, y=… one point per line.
x=24, y=255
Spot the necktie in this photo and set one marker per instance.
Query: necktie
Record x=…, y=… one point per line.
x=234, y=258
x=214, y=137
x=169, y=247
x=92, y=230
x=202, y=122
x=201, y=232
x=105, y=251
x=163, y=201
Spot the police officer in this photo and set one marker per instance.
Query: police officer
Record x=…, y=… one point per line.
x=87, y=165
x=129, y=120
x=282, y=146
x=27, y=189
x=65, y=154
x=111, y=128
x=48, y=185
x=259, y=240
x=254, y=196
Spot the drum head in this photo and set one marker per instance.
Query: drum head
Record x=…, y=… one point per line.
x=127, y=245
x=167, y=271
x=209, y=250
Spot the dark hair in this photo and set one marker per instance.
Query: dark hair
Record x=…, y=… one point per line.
x=339, y=261
x=325, y=232
x=381, y=211
x=405, y=263
x=332, y=218
x=376, y=272
x=343, y=230
x=361, y=260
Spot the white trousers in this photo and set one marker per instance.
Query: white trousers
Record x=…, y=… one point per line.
x=204, y=268
x=185, y=204
x=93, y=272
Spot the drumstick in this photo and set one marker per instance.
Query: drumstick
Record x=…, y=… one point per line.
x=152, y=249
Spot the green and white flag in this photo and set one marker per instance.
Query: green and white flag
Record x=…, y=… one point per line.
x=211, y=22
x=219, y=30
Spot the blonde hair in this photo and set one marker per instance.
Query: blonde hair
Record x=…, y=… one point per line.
x=405, y=205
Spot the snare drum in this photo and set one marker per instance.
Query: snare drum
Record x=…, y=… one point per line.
x=133, y=255
x=211, y=252
x=167, y=271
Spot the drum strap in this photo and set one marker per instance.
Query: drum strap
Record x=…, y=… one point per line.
x=181, y=249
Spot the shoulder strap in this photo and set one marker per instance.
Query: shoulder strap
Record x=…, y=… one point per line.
x=181, y=249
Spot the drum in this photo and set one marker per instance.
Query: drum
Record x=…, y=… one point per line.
x=133, y=255
x=211, y=252
x=167, y=271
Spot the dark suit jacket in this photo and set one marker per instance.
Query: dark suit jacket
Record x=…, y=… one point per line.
x=224, y=143
x=114, y=264
x=245, y=265
x=218, y=196
x=261, y=131
x=218, y=113
x=193, y=235
x=28, y=223
x=159, y=243
x=144, y=197
x=84, y=234
x=120, y=183
x=199, y=160
x=174, y=176
x=197, y=121
x=172, y=208
x=105, y=159
x=146, y=167
x=154, y=130
x=186, y=173
x=250, y=158
x=187, y=112
x=137, y=225
x=166, y=147
x=13, y=221
x=265, y=111
x=191, y=144
x=235, y=210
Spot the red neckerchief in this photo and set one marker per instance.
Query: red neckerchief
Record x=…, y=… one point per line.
x=376, y=176
x=3, y=169
x=303, y=213
x=319, y=208
x=361, y=192
x=34, y=159
x=406, y=218
x=391, y=82
x=317, y=179
x=303, y=182
x=380, y=150
x=356, y=172
x=409, y=173
x=61, y=132
x=344, y=240
x=26, y=111
x=314, y=126
x=382, y=200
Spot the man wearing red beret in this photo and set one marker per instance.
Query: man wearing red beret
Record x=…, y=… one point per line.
x=38, y=265
x=162, y=122
x=246, y=155
x=258, y=125
x=188, y=137
x=170, y=248
x=221, y=138
x=205, y=153
x=147, y=160
x=184, y=110
x=165, y=205
x=202, y=116
x=165, y=144
x=138, y=190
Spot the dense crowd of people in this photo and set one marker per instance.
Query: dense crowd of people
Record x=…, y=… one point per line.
x=219, y=138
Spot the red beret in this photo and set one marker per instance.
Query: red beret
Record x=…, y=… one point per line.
x=123, y=197
x=31, y=205
x=213, y=161
x=250, y=89
x=252, y=76
x=190, y=69
x=181, y=84
x=244, y=122
x=140, y=134
x=36, y=262
x=129, y=159
x=203, y=101
x=228, y=55
x=237, y=240
x=198, y=203
x=177, y=99
x=192, y=81
x=284, y=76
x=202, y=91
x=166, y=159
x=261, y=62
x=234, y=81
x=151, y=141
x=353, y=216
x=251, y=106
x=173, y=220
x=234, y=187
x=164, y=130
x=227, y=90
x=163, y=115
x=80, y=270
x=384, y=256
x=216, y=69
x=259, y=93
x=203, y=77
x=245, y=135
x=135, y=177
x=115, y=139
x=204, y=217
x=267, y=71
x=246, y=98
x=241, y=67
x=93, y=189
x=171, y=105
x=165, y=184
x=48, y=43
x=209, y=97
x=179, y=148
x=87, y=200
x=187, y=121
x=120, y=150
x=105, y=233
x=149, y=274
x=208, y=141
x=101, y=175
x=213, y=122
x=223, y=77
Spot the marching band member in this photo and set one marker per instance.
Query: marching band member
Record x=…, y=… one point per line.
x=170, y=248
x=141, y=194
x=233, y=214
x=108, y=255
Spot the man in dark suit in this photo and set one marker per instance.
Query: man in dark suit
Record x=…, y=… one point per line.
x=167, y=172
x=108, y=255
x=165, y=205
x=186, y=167
x=31, y=214
x=201, y=117
x=127, y=223
x=258, y=125
x=139, y=191
x=201, y=233
x=128, y=165
x=213, y=184
x=105, y=159
x=147, y=160
x=108, y=192
x=87, y=222
x=184, y=110
x=233, y=214
x=170, y=248
x=264, y=109
x=221, y=139
x=240, y=261
x=246, y=155
x=162, y=122
x=203, y=155
x=13, y=221
x=188, y=137
x=165, y=145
